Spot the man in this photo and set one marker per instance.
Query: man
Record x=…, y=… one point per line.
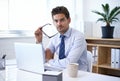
x=74, y=48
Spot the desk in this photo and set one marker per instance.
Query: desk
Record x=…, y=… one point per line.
x=13, y=74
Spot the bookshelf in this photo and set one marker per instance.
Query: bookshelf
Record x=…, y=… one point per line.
x=103, y=60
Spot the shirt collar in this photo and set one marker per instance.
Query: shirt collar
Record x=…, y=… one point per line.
x=68, y=32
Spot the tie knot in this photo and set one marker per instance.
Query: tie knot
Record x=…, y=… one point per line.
x=62, y=36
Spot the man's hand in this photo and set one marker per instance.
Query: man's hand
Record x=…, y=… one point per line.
x=38, y=35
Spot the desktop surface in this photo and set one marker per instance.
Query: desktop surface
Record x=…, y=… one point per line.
x=12, y=73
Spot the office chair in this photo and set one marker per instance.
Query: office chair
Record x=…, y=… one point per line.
x=90, y=59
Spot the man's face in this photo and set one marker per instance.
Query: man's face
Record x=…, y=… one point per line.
x=61, y=22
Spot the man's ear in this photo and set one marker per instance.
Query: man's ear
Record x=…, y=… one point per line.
x=69, y=20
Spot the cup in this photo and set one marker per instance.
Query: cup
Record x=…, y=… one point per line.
x=72, y=69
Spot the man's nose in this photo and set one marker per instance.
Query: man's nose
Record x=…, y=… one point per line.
x=59, y=23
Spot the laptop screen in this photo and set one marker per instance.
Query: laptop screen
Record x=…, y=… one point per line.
x=30, y=57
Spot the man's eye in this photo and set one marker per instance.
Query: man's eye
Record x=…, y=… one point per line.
x=56, y=20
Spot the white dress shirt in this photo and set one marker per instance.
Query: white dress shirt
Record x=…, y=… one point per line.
x=75, y=50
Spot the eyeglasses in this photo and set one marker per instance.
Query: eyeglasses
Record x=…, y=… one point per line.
x=48, y=31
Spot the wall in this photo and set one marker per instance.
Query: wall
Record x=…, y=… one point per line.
x=7, y=45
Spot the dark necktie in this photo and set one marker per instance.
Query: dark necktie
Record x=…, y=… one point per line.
x=62, y=48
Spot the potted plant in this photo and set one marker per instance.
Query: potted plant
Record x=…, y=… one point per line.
x=108, y=17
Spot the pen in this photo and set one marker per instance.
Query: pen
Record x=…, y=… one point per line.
x=3, y=57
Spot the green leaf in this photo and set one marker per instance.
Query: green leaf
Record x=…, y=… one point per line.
x=108, y=16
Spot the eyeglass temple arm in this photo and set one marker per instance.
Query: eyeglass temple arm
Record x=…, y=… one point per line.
x=45, y=25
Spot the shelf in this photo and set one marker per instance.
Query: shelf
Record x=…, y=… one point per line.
x=101, y=45
x=107, y=66
x=102, y=48
x=103, y=39
x=95, y=65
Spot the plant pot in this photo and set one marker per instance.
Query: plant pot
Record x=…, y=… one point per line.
x=107, y=32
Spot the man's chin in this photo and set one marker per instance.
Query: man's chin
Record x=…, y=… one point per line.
x=59, y=30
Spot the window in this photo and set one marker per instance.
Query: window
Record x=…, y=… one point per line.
x=26, y=14
x=3, y=14
x=30, y=14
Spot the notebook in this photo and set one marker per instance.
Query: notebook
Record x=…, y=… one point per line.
x=30, y=57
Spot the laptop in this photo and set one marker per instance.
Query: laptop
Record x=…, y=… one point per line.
x=30, y=57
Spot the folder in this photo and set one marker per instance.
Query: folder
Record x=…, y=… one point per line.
x=95, y=54
x=117, y=58
x=113, y=57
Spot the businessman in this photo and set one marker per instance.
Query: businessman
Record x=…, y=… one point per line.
x=68, y=45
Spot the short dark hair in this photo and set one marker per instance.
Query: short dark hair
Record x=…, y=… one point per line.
x=60, y=10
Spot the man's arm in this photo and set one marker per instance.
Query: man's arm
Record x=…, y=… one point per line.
x=48, y=54
x=38, y=35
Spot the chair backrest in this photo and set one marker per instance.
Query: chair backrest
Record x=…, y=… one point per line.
x=90, y=59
